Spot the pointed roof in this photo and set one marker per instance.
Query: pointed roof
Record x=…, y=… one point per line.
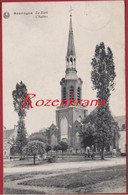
x=8, y=133
x=71, y=46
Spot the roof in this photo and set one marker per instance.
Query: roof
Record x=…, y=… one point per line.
x=71, y=46
x=8, y=133
x=4, y=127
x=43, y=129
x=121, y=120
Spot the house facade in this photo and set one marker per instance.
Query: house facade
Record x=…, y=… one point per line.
x=8, y=136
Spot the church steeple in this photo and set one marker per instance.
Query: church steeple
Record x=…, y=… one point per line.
x=67, y=114
x=71, y=56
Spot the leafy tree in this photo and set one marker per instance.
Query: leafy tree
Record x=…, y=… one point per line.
x=88, y=136
x=13, y=150
x=94, y=136
x=102, y=76
x=34, y=148
x=56, y=148
x=63, y=146
x=37, y=136
x=104, y=126
x=103, y=72
x=48, y=148
x=21, y=139
x=19, y=95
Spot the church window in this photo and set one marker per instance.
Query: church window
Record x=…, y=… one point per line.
x=77, y=137
x=64, y=93
x=71, y=91
x=78, y=93
x=71, y=60
x=79, y=118
x=67, y=60
x=64, y=128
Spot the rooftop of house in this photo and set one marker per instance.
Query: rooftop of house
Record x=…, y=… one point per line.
x=8, y=133
x=121, y=121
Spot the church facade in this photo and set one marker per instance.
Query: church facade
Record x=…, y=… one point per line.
x=68, y=117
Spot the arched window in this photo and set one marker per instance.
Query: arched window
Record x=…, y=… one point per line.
x=78, y=93
x=79, y=119
x=71, y=60
x=64, y=93
x=71, y=91
x=64, y=128
x=77, y=138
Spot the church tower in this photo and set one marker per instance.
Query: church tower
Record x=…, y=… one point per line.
x=68, y=118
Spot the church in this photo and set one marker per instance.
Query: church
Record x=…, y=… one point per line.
x=68, y=118
x=69, y=126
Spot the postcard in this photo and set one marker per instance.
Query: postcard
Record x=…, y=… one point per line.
x=64, y=97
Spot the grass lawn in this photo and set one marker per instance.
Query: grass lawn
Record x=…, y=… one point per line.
x=102, y=180
x=117, y=185
x=84, y=179
x=15, y=163
x=15, y=191
x=18, y=176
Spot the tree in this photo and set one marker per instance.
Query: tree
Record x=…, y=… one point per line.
x=48, y=148
x=21, y=139
x=63, y=146
x=104, y=126
x=95, y=135
x=103, y=72
x=37, y=136
x=34, y=148
x=102, y=76
x=13, y=150
x=88, y=136
x=56, y=148
x=19, y=95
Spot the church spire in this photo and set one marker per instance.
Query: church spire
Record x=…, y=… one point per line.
x=71, y=56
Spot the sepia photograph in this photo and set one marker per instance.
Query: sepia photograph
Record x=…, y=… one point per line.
x=64, y=97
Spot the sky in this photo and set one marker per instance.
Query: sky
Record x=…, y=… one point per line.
x=34, y=51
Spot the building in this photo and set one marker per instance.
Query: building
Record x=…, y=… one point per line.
x=122, y=132
x=68, y=116
x=8, y=136
x=52, y=134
